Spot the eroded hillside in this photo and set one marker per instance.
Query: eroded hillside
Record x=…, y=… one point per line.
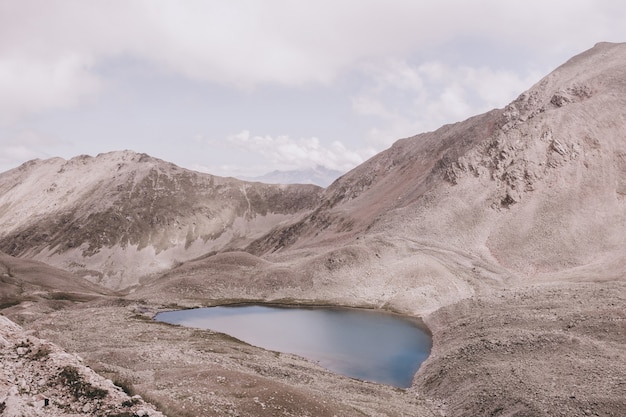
x=122, y=215
x=538, y=186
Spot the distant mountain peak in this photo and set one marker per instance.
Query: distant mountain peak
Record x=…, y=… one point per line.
x=318, y=175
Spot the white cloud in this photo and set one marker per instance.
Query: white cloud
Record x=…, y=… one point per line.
x=12, y=155
x=49, y=51
x=407, y=100
x=408, y=66
x=30, y=86
x=32, y=137
x=19, y=146
x=229, y=170
x=284, y=153
x=369, y=105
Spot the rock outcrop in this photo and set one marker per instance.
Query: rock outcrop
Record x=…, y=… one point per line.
x=538, y=186
x=37, y=378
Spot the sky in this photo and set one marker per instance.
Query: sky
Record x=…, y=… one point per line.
x=242, y=88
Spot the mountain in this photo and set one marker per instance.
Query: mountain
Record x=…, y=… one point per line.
x=504, y=233
x=530, y=190
x=536, y=187
x=121, y=215
x=319, y=175
x=525, y=193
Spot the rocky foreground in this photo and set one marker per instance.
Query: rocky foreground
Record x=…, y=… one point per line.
x=37, y=378
x=190, y=372
x=546, y=348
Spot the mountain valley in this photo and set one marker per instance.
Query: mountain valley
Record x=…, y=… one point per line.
x=504, y=234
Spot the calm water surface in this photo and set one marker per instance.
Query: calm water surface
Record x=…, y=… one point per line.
x=362, y=344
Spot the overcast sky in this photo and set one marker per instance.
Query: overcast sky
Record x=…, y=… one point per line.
x=247, y=87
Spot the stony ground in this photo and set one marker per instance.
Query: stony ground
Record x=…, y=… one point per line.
x=188, y=372
x=554, y=349
x=37, y=378
x=538, y=349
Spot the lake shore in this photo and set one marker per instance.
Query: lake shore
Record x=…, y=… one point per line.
x=546, y=348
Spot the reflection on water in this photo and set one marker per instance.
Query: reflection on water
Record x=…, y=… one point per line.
x=361, y=344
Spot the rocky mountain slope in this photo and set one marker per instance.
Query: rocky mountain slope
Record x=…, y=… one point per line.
x=536, y=187
x=520, y=194
x=122, y=215
x=37, y=378
x=25, y=282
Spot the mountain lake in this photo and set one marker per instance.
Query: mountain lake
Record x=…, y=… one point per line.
x=364, y=344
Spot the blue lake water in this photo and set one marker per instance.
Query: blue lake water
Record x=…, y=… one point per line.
x=363, y=344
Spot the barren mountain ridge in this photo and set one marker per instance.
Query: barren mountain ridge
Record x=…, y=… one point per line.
x=122, y=215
